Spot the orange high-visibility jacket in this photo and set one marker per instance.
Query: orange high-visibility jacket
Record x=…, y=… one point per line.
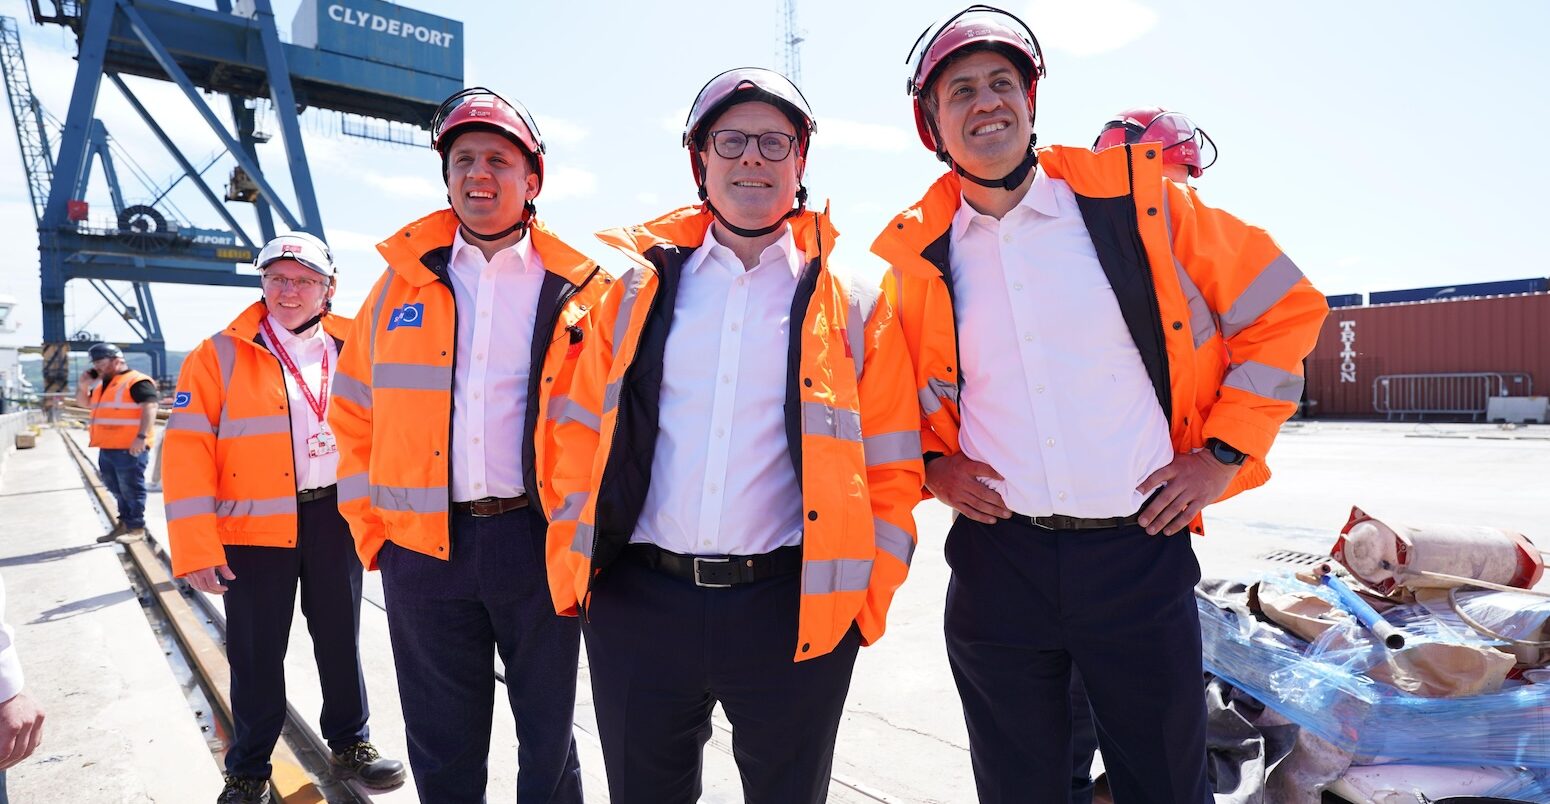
x=392, y=410
x=115, y=415
x=1221, y=317
x=851, y=420
x=229, y=465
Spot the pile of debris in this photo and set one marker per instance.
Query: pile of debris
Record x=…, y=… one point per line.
x=1411, y=667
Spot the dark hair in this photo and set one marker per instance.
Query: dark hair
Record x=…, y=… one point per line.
x=928, y=100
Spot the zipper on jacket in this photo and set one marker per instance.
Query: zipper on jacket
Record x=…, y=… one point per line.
x=1155, y=304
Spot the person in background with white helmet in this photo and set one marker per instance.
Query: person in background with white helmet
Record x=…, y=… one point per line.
x=1099, y=356
x=123, y=405
x=737, y=465
x=250, y=478
x=467, y=347
x=1186, y=148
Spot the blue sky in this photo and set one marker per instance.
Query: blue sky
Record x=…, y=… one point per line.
x=1384, y=145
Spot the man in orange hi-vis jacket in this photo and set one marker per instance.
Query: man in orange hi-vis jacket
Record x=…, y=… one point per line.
x=737, y=464
x=461, y=359
x=251, y=514
x=1098, y=356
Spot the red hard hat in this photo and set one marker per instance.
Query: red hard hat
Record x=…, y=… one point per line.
x=761, y=85
x=477, y=108
x=1183, y=142
x=976, y=25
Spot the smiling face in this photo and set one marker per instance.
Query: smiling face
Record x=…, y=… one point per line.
x=983, y=116
x=290, y=304
x=751, y=191
x=489, y=179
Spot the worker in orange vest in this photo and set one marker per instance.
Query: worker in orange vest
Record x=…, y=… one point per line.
x=467, y=345
x=738, y=459
x=1099, y=355
x=250, y=491
x=123, y=405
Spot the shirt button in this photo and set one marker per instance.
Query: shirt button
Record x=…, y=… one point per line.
x=1006, y=238
x=476, y=439
x=742, y=280
x=1049, y=442
x=721, y=432
x=476, y=395
x=1061, y=495
x=478, y=485
x=711, y=488
x=725, y=379
x=484, y=314
x=706, y=542
x=479, y=356
x=736, y=326
x=1018, y=286
x=1028, y=337
x=1039, y=389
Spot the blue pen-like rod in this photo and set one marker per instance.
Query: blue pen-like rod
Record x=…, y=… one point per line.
x=1391, y=637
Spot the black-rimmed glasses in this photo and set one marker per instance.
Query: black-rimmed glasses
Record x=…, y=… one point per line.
x=731, y=143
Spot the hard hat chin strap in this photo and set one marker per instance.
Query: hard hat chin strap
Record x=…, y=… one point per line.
x=309, y=323
x=1010, y=181
x=528, y=211
x=740, y=231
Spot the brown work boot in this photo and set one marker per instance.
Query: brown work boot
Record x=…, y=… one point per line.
x=131, y=535
x=119, y=529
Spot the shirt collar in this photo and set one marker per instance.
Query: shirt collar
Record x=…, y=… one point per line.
x=783, y=250
x=288, y=339
x=1041, y=198
x=523, y=249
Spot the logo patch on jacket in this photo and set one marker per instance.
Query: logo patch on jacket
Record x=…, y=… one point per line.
x=410, y=315
x=182, y=400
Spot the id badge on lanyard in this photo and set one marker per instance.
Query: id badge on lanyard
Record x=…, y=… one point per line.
x=323, y=443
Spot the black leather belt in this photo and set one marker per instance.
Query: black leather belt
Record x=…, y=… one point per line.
x=315, y=494
x=1062, y=522
x=490, y=506
x=717, y=572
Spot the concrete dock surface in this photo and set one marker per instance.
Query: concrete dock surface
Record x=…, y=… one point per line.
x=120, y=727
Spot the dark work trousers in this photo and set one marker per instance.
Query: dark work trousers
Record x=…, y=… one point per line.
x=1024, y=605
x=124, y=475
x=259, y=603
x=448, y=620
x=1084, y=741
x=663, y=651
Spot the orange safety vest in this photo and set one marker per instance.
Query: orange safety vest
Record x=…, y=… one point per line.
x=851, y=415
x=229, y=474
x=392, y=410
x=1221, y=317
x=115, y=416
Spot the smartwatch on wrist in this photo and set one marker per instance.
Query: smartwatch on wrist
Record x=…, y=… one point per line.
x=1224, y=452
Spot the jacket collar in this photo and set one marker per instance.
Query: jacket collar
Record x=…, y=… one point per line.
x=405, y=251
x=1100, y=175
x=686, y=228
x=245, y=327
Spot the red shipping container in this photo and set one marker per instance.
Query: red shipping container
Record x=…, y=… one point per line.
x=1506, y=335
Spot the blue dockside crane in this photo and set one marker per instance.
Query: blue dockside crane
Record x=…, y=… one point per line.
x=367, y=58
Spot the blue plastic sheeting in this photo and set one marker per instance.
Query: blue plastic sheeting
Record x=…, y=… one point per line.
x=1327, y=692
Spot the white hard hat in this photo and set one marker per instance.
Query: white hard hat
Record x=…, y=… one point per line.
x=306, y=249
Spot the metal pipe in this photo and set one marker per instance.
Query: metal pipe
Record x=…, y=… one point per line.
x=1391, y=637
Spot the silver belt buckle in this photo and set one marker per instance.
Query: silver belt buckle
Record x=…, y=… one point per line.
x=709, y=560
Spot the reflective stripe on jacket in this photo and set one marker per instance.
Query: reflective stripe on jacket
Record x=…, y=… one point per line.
x=392, y=410
x=851, y=420
x=1221, y=317
x=115, y=415
x=230, y=468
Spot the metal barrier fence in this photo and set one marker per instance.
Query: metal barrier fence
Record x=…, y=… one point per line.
x=1461, y=394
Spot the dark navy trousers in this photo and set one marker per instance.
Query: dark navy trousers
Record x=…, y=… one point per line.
x=1024, y=606
x=124, y=476
x=662, y=652
x=259, y=603
x=448, y=620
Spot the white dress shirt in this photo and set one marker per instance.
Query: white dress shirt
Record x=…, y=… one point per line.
x=307, y=354
x=722, y=478
x=1055, y=396
x=497, y=304
x=11, y=678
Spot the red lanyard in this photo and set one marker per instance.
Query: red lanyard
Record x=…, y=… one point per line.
x=319, y=403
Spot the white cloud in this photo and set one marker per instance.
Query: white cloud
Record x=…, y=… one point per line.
x=562, y=182
x=1348, y=261
x=562, y=131
x=866, y=136
x=648, y=198
x=1090, y=27
x=346, y=240
x=416, y=187
x=674, y=122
